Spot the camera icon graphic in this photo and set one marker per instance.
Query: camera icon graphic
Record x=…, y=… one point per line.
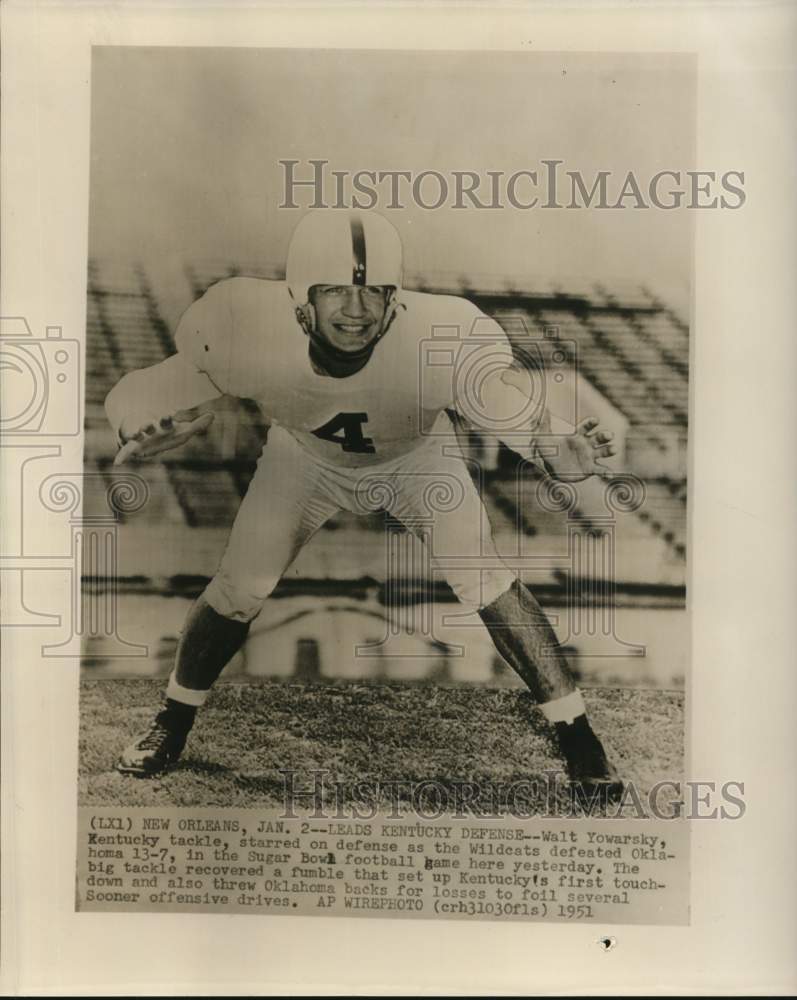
x=543, y=369
x=41, y=388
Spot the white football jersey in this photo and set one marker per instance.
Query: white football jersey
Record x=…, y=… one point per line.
x=244, y=335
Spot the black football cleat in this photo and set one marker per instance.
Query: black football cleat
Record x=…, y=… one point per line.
x=593, y=778
x=156, y=750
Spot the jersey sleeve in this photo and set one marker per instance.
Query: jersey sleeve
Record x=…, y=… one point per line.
x=496, y=393
x=483, y=362
x=459, y=347
x=221, y=335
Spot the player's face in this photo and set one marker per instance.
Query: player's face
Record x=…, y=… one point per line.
x=349, y=316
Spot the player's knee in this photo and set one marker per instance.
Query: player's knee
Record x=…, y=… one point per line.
x=238, y=599
x=476, y=589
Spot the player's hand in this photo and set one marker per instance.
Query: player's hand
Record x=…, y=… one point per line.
x=579, y=453
x=161, y=435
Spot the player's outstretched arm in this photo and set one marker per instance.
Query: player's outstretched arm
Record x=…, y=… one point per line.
x=557, y=447
x=155, y=409
x=577, y=455
x=492, y=391
x=163, y=434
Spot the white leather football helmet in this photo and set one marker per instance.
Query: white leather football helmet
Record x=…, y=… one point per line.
x=334, y=247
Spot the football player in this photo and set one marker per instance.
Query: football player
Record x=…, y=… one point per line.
x=335, y=358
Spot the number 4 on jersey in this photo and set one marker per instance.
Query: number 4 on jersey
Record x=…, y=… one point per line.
x=346, y=429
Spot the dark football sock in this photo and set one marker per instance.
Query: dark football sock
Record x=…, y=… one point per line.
x=208, y=643
x=580, y=745
x=176, y=716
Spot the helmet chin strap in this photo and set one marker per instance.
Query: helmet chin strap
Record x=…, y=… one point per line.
x=332, y=360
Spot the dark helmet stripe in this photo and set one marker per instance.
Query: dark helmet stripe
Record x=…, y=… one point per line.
x=357, y=251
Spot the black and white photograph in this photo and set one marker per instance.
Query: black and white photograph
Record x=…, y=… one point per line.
x=387, y=388
x=396, y=494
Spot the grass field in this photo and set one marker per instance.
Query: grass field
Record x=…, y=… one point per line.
x=367, y=733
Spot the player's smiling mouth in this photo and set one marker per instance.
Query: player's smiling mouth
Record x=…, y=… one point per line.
x=352, y=332
x=352, y=327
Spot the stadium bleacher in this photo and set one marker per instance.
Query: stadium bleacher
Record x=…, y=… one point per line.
x=627, y=344
x=630, y=346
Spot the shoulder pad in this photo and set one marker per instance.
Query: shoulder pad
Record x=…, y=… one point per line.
x=229, y=333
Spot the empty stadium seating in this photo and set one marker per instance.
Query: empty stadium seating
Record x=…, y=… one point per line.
x=625, y=342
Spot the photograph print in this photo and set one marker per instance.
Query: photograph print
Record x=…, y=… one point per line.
x=387, y=375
